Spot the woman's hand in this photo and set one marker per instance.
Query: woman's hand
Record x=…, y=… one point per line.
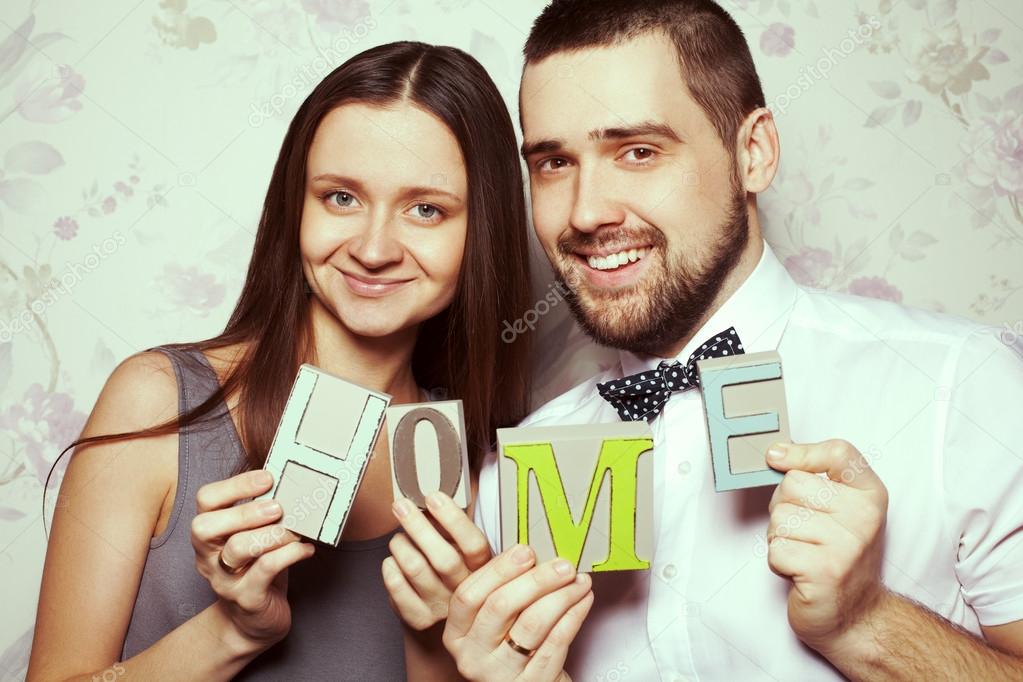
x=514, y=620
x=245, y=555
x=425, y=568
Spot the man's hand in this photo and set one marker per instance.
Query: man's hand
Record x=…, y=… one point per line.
x=826, y=535
x=514, y=620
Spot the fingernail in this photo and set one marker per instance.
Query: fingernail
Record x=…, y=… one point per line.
x=262, y=477
x=523, y=554
x=582, y=578
x=563, y=567
x=400, y=508
x=270, y=508
x=433, y=501
x=777, y=451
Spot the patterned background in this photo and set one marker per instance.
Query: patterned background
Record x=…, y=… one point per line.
x=137, y=139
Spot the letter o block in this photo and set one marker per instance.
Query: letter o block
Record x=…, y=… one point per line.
x=428, y=451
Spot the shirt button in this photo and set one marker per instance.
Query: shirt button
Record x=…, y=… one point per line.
x=669, y=571
x=684, y=468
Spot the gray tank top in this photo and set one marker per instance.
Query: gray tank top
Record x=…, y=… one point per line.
x=342, y=628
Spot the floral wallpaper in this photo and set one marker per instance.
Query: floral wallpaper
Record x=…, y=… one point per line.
x=137, y=139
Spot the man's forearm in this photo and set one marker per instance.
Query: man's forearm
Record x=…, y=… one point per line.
x=901, y=640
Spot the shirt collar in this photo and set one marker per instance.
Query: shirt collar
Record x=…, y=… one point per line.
x=758, y=309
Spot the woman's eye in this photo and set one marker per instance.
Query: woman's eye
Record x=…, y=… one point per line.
x=341, y=199
x=426, y=212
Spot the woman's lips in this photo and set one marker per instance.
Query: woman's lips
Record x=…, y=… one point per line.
x=373, y=288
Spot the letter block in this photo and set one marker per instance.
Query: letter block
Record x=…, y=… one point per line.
x=320, y=451
x=428, y=451
x=744, y=401
x=584, y=493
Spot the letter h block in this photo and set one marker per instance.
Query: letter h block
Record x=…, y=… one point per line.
x=320, y=451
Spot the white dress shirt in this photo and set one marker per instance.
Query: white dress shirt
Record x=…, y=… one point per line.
x=934, y=402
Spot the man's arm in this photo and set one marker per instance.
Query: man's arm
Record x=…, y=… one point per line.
x=901, y=640
x=837, y=604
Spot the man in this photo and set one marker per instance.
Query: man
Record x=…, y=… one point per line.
x=894, y=552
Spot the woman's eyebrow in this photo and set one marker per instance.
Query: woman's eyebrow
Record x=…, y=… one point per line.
x=404, y=192
x=410, y=192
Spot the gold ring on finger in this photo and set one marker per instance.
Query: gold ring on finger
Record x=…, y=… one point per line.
x=518, y=648
x=233, y=570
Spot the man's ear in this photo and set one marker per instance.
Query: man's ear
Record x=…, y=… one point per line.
x=758, y=150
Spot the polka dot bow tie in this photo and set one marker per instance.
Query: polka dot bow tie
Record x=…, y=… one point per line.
x=642, y=396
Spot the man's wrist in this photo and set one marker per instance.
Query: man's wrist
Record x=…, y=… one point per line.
x=863, y=638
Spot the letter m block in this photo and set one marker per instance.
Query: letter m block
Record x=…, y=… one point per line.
x=583, y=493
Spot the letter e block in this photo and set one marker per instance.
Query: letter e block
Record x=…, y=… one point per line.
x=744, y=402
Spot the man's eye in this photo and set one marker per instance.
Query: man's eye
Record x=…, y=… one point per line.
x=552, y=164
x=341, y=199
x=640, y=154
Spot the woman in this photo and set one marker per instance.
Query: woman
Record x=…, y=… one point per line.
x=391, y=246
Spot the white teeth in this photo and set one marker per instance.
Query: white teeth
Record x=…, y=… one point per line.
x=616, y=260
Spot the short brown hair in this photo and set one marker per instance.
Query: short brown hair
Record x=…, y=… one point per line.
x=712, y=52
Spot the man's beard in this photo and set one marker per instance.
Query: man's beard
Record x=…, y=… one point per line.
x=680, y=291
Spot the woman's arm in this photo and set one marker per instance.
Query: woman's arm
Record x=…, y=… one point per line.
x=108, y=510
x=421, y=574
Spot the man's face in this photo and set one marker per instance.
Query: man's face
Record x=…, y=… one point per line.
x=635, y=199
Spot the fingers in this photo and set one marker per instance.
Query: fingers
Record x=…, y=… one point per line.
x=535, y=623
x=210, y=527
x=246, y=546
x=504, y=605
x=471, y=541
x=405, y=600
x=252, y=592
x=790, y=558
x=549, y=659
x=443, y=558
x=841, y=461
x=805, y=489
x=225, y=493
x=469, y=597
x=417, y=569
x=799, y=523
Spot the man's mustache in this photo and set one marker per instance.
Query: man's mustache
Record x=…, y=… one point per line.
x=611, y=237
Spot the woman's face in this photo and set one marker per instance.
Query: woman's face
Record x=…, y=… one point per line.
x=384, y=217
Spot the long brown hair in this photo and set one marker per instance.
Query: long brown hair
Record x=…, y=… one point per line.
x=460, y=349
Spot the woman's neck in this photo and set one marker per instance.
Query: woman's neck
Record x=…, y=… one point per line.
x=382, y=364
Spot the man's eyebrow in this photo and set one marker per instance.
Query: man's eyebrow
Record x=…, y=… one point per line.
x=643, y=129
x=542, y=147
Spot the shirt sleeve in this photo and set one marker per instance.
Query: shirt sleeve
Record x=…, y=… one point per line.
x=488, y=509
x=983, y=474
